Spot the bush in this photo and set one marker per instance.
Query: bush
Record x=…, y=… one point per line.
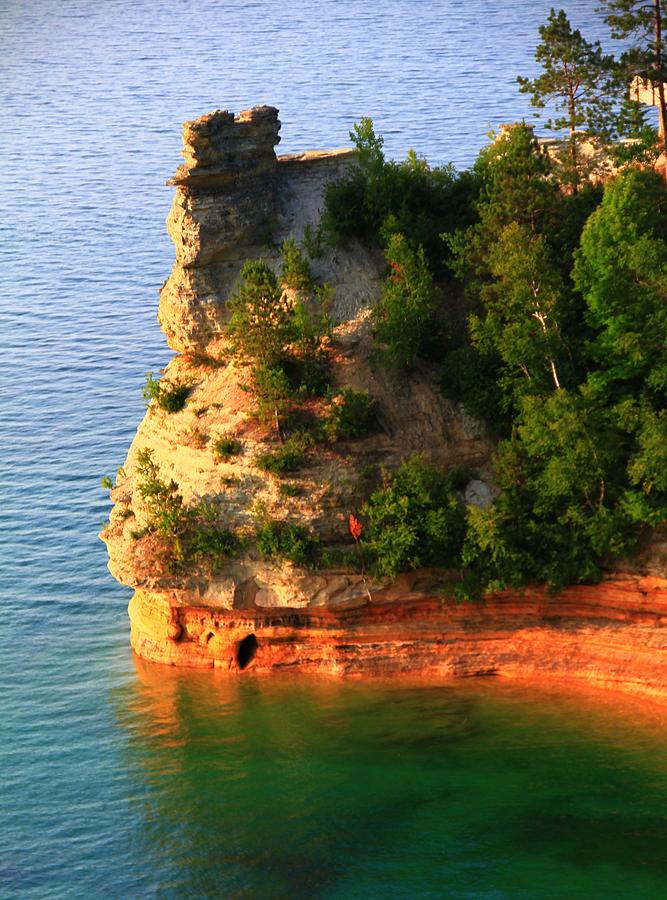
x=170, y=397
x=290, y=489
x=295, y=272
x=225, y=446
x=208, y=542
x=260, y=324
x=416, y=519
x=287, y=458
x=420, y=201
x=190, y=535
x=404, y=317
x=285, y=540
x=351, y=416
x=273, y=393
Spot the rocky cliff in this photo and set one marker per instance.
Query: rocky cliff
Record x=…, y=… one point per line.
x=236, y=200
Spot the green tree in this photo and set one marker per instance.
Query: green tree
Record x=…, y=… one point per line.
x=406, y=310
x=261, y=320
x=416, y=519
x=295, y=272
x=575, y=77
x=621, y=272
x=521, y=304
x=559, y=479
x=642, y=22
x=515, y=186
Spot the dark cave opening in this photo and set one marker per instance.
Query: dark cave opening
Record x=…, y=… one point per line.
x=245, y=652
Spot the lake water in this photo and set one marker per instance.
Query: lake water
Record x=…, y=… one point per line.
x=121, y=779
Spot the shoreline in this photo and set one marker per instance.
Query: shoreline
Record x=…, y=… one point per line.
x=612, y=635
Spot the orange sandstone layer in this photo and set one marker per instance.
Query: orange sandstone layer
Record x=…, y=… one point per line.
x=610, y=635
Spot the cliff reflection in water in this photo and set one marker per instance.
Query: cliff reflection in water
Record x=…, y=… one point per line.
x=310, y=787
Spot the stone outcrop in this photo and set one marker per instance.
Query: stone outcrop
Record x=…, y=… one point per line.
x=235, y=199
x=611, y=635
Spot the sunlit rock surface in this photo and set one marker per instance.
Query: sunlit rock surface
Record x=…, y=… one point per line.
x=236, y=200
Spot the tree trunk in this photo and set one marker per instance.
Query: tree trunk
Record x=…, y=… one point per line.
x=662, y=108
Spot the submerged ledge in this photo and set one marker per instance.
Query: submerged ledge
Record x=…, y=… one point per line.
x=611, y=635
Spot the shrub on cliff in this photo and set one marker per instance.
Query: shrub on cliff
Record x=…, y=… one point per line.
x=287, y=458
x=261, y=320
x=225, y=446
x=282, y=540
x=189, y=535
x=169, y=396
x=405, y=316
x=351, y=415
x=295, y=272
x=417, y=200
x=416, y=519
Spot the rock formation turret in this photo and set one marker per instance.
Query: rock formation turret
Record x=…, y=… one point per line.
x=236, y=200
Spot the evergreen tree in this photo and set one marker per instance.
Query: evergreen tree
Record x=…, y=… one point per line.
x=644, y=23
x=404, y=315
x=261, y=321
x=575, y=77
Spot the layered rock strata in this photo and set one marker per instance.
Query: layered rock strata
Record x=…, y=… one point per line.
x=611, y=635
x=235, y=199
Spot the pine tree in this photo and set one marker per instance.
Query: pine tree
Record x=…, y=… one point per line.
x=576, y=79
x=644, y=23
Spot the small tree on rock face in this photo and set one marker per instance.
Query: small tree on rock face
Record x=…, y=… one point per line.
x=576, y=78
x=408, y=303
x=261, y=322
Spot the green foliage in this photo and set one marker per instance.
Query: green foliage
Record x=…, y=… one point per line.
x=521, y=310
x=525, y=328
x=308, y=366
x=641, y=25
x=342, y=557
x=206, y=360
x=107, y=483
x=170, y=397
x=209, y=543
x=273, y=393
x=282, y=540
x=289, y=457
x=351, y=415
x=645, y=498
x=472, y=377
x=285, y=340
x=380, y=197
x=190, y=536
x=225, y=446
x=557, y=513
x=575, y=76
x=166, y=511
x=404, y=317
x=312, y=241
x=290, y=489
x=295, y=272
x=260, y=324
x=416, y=519
x=621, y=272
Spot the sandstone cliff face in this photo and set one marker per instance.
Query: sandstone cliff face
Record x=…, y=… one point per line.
x=235, y=200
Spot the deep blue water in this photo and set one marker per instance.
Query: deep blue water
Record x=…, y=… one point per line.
x=120, y=781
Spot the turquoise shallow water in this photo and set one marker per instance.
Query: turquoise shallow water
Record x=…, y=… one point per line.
x=125, y=780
